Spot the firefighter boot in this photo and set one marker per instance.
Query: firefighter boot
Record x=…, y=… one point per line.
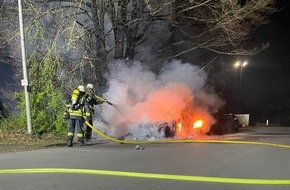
x=81, y=142
x=69, y=143
x=88, y=137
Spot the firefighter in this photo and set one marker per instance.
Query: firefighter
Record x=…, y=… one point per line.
x=75, y=120
x=91, y=100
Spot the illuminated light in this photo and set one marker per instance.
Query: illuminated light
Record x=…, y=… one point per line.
x=198, y=124
x=237, y=64
x=244, y=64
x=240, y=64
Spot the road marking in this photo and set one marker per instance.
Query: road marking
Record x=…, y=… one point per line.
x=248, y=181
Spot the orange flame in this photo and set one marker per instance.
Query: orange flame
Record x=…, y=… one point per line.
x=198, y=124
x=179, y=125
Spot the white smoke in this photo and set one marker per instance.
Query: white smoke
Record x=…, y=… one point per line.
x=141, y=97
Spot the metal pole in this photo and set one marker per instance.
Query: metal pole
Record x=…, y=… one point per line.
x=24, y=82
x=241, y=81
x=241, y=76
x=240, y=88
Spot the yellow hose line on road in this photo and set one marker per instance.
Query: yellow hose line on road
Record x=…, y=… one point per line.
x=182, y=141
x=249, y=181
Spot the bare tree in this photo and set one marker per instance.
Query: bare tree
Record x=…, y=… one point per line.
x=216, y=25
x=87, y=34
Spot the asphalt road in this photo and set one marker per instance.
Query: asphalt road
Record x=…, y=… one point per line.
x=255, y=159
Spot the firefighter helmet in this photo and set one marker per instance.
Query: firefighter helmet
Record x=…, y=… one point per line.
x=89, y=86
x=81, y=88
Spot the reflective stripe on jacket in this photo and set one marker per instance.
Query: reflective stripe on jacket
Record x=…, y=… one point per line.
x=78, y=113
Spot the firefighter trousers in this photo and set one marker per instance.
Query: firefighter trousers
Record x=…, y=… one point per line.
x=88, y=130
x=75, y=125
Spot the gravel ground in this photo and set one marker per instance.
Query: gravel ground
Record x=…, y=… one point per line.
x=23, y=142
x=5, y=148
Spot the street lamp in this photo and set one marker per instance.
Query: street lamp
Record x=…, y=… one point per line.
x=240, y=65
x=24, y=82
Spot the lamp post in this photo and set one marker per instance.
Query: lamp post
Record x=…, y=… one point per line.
x=24, y=82
x=240, y=65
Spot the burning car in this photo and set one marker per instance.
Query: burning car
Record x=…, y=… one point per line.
x=167, y=129
x=189, y=124
x=225, y=124
x=182, y=129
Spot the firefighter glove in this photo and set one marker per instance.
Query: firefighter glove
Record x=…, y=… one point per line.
x=74, y=107
x=66, y=115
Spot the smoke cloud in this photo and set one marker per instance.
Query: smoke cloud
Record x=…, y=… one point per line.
x=143, y=98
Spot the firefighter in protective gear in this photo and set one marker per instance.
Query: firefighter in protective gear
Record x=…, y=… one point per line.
x=91, y=100
x=75, y=121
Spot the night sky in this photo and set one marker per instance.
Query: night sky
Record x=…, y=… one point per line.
x=265, y=80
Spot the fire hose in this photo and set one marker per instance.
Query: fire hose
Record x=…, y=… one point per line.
x=180, y=140
x=174, y=140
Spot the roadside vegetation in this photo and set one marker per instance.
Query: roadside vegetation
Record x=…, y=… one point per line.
x=12, y=132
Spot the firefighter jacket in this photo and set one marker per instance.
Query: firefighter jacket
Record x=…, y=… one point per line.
x=91, y=100
x=77, y=104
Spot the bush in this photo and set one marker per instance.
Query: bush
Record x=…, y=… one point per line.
x=11, y=124
x=46, y=97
